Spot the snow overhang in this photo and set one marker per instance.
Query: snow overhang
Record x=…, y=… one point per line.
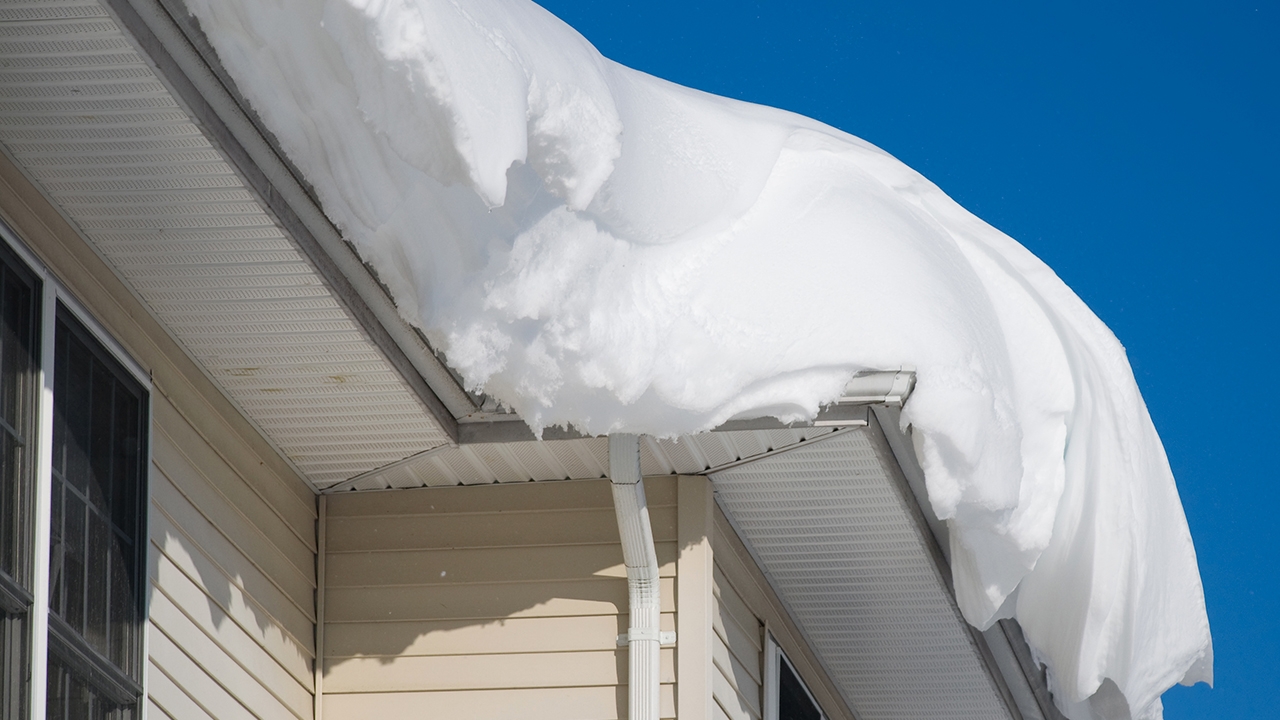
x=196, y=95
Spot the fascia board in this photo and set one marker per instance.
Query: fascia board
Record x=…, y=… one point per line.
x=1003, y=646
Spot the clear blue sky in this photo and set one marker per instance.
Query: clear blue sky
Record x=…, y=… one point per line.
x=1132, y=148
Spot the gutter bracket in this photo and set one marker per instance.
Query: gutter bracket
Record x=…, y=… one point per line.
x=666, y=638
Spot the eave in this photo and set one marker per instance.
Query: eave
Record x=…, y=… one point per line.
x=123, y=117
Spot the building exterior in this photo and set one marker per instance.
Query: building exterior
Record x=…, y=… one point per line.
x=236, y=484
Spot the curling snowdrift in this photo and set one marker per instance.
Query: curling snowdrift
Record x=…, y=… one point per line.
x=595, y=246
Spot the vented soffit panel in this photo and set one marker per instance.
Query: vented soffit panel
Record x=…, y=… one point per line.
x=835, y=528
x=90, y=122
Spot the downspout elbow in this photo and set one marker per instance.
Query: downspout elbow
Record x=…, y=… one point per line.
x=644, y=636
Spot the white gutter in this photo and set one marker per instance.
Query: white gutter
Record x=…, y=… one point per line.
x=644, y=636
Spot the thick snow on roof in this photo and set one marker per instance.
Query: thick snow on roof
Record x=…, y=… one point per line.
x=595, y=246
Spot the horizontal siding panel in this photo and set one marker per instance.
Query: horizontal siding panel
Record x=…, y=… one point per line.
x=732, y=605
x=484, y=672
x=740, y=642
x=510, y=635
x=487, y=530
x=220, y=493
x=231, y=579
x=746, y=681
x=605, y=596
x=718, y=712
x=155, y=712
x=251, y=689
x=552, y=495
x=272, y=502
x=245, y=535
x=736, y=651
x=734, y=705
x=165, y=695
x=193, y=680
x=228, y=639
x=218, y=547
x=288, y=498
x=248, y=634
x=485, y=565
x=596, y=596
x=591, y=703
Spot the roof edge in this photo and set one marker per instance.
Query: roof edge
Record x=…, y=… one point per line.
x=888, y=387
x=173, y=42
x=1003, y=646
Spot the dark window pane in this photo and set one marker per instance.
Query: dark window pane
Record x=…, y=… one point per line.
x=19, y=348
x=102, y=390
x=124, y=651
x=77, y=409
x=19, y=345
x=57, y=542
x=99, y=465
x=15, y=668
x=71, y=698
x=793, y=700
x=60, y=400
x=59, y=690
x=125, y=465
x=14, y=494
x=96, y=585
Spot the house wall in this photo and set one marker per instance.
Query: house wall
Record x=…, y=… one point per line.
x=490, y=601
x=737, y=653
x=232, y=526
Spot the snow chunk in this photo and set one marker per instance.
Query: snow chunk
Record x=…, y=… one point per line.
x=595, y=246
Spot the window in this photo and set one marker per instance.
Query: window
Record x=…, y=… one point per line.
x=19, y=348
x=95, y=544
x=73, y=496
x=785, y=695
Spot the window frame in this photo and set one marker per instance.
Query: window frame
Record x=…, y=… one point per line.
x=55, y=294
x=773, y=659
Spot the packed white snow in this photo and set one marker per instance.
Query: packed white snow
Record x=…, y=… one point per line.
x=597, y=247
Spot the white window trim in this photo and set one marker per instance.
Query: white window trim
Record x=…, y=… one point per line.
x=54, y=293
x=772, y=653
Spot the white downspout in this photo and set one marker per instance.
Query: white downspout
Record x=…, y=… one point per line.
x=644, y=636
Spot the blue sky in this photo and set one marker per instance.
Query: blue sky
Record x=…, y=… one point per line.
x=1134, y=148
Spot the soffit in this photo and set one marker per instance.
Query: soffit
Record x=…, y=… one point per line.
x=834, y=527
x=85, y=116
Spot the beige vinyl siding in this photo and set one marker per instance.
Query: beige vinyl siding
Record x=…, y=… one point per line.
x=491, y=601
x=736, y=652
x=231, y=561
x=232, y=587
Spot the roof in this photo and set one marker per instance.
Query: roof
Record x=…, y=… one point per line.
x=122, y=116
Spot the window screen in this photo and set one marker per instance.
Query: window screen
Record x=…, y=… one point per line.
x=19, y=345
x=96, y=539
